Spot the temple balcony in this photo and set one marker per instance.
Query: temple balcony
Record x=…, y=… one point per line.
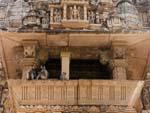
x=28, y=95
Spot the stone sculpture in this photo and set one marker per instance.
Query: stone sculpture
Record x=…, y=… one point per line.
x=29, y=51
x=97, y=18
x=91, y=16
x=57, y=16
x=75, y=12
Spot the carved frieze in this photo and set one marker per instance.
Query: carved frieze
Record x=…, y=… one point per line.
x=72, y=109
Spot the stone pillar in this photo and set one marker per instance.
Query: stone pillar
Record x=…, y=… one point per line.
x=65, y=65
x=118, y=69
x=85, y=12
x=118, y=63
x=30, y=51
x=65, y=12
x=51, y=14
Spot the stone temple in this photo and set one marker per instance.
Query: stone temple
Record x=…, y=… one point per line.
x=74, y=56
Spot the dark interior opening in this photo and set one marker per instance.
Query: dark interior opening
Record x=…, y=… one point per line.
x=88, y=69
x=53, y=67
x=79, y=69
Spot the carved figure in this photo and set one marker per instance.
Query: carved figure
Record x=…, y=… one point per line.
x=43, y=74
x=45, y=22
x=57, y=15
x=97, y=18
x=29, y=51
x=91, y=17
x=75, y=12
x=71, y=13
x=78, y=13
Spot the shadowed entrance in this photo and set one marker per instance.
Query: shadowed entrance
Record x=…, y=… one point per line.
x=79, y=69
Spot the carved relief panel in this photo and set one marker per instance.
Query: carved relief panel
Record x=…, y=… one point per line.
x=94, y=17
x=75, y=12
x=57, y=15
x=29, y=51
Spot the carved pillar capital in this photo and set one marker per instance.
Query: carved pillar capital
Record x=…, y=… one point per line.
x=119, y=49
x=65, y=54
x=30, y=48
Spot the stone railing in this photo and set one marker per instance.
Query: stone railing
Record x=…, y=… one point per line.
x=72, y=92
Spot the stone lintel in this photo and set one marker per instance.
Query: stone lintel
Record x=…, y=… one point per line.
x=30, y=42
x=119, y=43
